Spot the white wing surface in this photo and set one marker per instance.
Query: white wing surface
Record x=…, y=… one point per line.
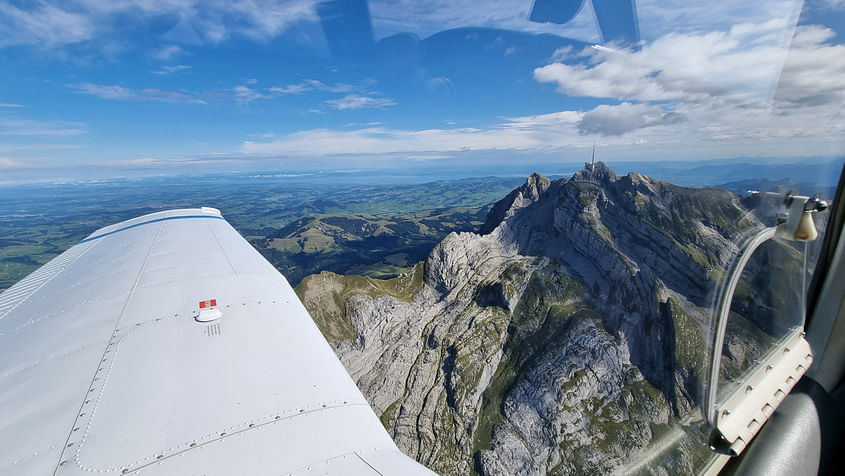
x=105, y=366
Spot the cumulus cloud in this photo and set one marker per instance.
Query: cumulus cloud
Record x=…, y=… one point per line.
x=111, y=91
x=616, y=120
x=357, y=101
x=741, y=64
x=750, y=82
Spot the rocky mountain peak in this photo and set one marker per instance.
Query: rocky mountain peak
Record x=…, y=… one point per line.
x=598, y=173
x=556, y=340
x=531, y=191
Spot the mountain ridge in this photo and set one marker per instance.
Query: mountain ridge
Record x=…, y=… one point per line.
x=566, y=336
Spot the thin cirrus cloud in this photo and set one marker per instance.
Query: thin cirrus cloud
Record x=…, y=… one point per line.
x=110, y=91
x=9, y=163
x=245, y=94
x=313, y=85
x=51, y=23
x=170, y=69
x=29, y=127
x=358, y=101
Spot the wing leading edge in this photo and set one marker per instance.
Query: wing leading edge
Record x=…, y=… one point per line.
x=104, y=366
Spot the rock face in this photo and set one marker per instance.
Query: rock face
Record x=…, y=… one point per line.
x=568, y=336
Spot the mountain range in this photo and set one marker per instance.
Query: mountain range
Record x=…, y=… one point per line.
x=569, y=334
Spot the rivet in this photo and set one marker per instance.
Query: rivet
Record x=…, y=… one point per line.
x=748, y=389
x=76, y=429
x=193, y=445
x=125, y=471
x=324, y=406
x=769, y=368
x=223, y=434
x=251, y=425
x=86, y=401
x=726, y=412
x=159, y=456
x=60, y=464
x=69, y=445
x=278, y=417
x=82, y=414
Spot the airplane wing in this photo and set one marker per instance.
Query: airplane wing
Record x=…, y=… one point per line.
x=167, y=345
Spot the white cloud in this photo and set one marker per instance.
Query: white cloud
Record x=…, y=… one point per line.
x=743, y=84
x=313, y=85
x=51, y=23
x=105, y=91
x=167, y=53
x=42, y=24
x=742, y=63
x=111, y=91
x=609, y=120
x=28, y=127
x=179, y=161
x=290, y=89
x=356, y=101
x=428, y=157
x=245, y=95
x=6, y=104
x=8, y=163
x=167, y=70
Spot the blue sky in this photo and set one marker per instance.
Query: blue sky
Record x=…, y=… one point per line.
x=152, y=86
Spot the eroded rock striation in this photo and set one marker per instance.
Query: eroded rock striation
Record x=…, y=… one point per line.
x=568, y=336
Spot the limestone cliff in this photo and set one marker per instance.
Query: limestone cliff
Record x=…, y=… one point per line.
x=568, y=336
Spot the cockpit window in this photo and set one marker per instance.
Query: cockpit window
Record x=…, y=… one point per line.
x=565, y=321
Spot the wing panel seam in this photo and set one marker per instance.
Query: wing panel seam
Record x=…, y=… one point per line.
x=105, y=351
